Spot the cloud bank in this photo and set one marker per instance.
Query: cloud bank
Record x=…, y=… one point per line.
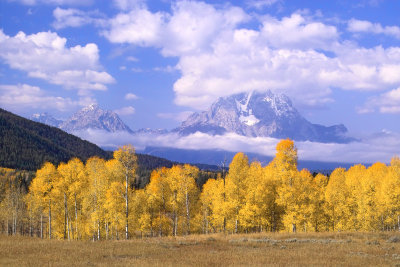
x=379, y=147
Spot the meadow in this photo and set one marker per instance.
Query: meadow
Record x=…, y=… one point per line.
x=261, y=249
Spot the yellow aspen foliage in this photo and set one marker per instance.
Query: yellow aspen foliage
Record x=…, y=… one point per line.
x=266, y=194
x=319, y=219
x=115, y=209
x=213, y=205
x=336, y=196
x=160, y=194
x=42, y=194
x=354, y=179
x=95, y=198
x=370, y=209
x=127, y=158
x=69, y=193
x=236, y=183
x=390, y=195
x=250, y=214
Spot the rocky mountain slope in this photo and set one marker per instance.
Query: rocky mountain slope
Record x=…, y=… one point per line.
x=93, y=117
x=261, y=115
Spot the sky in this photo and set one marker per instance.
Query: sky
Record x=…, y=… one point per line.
x=155, y=62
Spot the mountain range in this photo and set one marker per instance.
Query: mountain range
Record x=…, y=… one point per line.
x=253, y=114
x=258, y=114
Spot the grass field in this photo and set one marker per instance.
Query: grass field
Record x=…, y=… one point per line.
x=312, y=249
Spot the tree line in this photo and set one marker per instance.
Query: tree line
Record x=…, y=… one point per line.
x=96, y=200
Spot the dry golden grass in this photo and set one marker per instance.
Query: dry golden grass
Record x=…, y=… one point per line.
x=311, y=249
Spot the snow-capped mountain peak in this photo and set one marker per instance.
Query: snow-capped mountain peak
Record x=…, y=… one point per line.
x=93, y=117
x=260, y=114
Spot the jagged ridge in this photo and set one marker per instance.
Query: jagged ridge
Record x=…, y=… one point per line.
x=261, y=114
x=93, y=117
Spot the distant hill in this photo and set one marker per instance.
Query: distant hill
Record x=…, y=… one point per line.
x=25, y=144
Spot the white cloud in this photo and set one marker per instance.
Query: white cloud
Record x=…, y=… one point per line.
x=388, y=102
x=381, y=147
x=180, y=116
x=55, y=2
x=191, y=27
x=130, y=96
x=355, y=25
x=139, y=26
x=21, y=96
x=44, y=55
x=218, y=57
x=297, y=33
x=75, y=18
x=125, y=111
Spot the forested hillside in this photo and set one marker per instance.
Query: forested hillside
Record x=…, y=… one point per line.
x=27, y=145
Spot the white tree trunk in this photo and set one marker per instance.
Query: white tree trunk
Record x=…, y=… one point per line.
x=49, y=218
x=126, y=205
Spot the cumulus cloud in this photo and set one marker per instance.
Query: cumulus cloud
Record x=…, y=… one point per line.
x=364, y=26
x=388, y=102
x=130, y=96
x=75, y=18
x=125, y=111
x=217, y=56
x=381, y=147
x=139, y=26
x=44, y=55
x=54, y=2
x=190, y=28
x=21, y=96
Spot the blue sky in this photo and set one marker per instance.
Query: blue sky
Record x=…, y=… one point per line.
x=154, y=62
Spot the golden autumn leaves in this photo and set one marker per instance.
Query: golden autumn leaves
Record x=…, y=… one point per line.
x=95, y=200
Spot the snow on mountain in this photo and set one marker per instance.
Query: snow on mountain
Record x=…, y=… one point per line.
x=46, y=118
x=261, y=114
x=93, y=117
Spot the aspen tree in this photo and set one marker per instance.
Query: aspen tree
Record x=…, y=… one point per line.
x=354, y=180
x=318, y=216
x=336, y=195
x=390, y=194
x=370, y=210
x=126, y=156
x=250, y=213
x=95, y=197
x=160, y=193
x=41, y=188
x=71, y=184
x=285, y=163
x=114, y=206
x=235, y=189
